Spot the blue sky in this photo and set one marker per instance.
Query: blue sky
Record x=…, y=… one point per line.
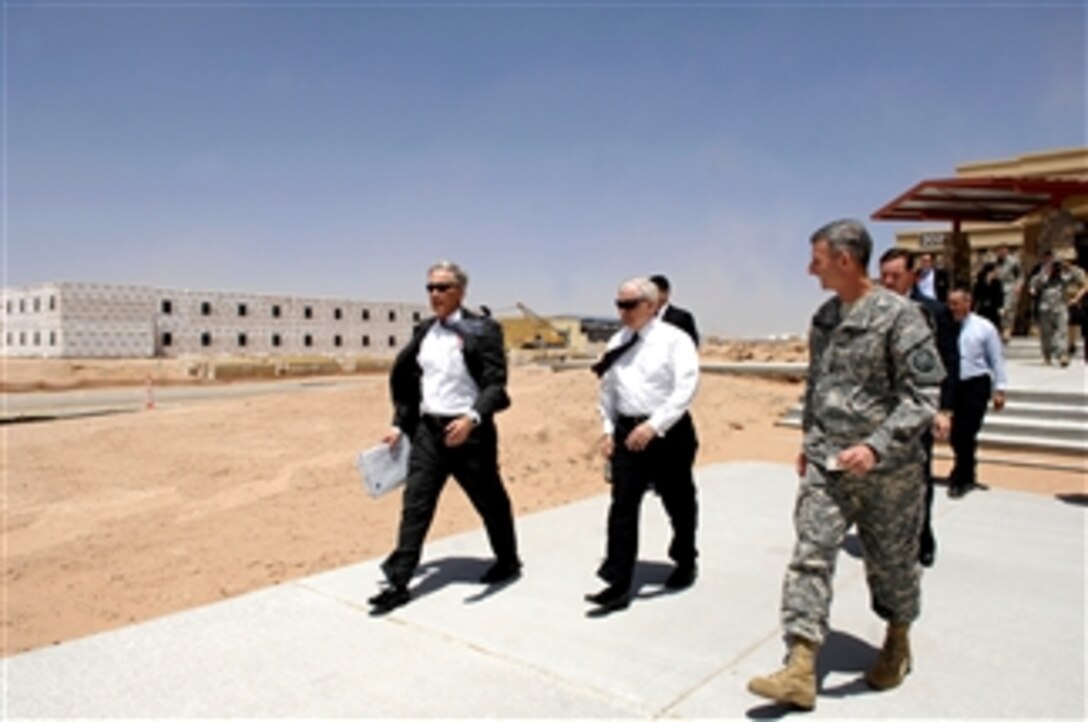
x=553, y=149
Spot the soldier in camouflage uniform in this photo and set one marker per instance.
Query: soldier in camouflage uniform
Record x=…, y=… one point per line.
x=1011, y=277
x=1052, y=287
x=873, y=379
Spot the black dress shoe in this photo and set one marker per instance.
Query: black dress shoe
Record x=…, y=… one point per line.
x=682, y=577
x=610, y=599
x=501, y=572
x=389, y=599
x=956, y=491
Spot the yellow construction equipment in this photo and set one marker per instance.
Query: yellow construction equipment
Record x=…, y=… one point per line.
x=533, y=331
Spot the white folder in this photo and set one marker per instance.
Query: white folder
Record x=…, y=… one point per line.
x=384, y=468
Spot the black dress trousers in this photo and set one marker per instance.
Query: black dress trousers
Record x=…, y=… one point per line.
x=666, y=463
x=972, y=398
x=475, y=466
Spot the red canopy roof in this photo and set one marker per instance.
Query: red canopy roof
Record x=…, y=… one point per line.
x=998, y=199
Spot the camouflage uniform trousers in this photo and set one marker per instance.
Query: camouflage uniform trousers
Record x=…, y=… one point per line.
x=1008, y=312
x=1054, y=331
x=887, y=508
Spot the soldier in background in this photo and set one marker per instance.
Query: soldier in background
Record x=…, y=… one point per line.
x=1053, y=286
x=873, y=378
x=1012, y=281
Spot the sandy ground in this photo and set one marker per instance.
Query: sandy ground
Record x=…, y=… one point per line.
x=115, y=519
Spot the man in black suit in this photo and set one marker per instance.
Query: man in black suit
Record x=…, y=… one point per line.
x=675, y=315
x=931, y=281
x=897, y=273
x=447, y=385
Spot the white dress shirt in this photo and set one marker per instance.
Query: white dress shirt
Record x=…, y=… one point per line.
x=657, y=377
x=448, y=388
x=927, y=283
x=980, y=351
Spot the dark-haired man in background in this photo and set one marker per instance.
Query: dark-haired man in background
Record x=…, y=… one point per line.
x=897, y=274
x=669, y=313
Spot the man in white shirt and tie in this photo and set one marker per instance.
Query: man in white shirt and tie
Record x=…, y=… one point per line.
x=649, y=375
x=982, y=376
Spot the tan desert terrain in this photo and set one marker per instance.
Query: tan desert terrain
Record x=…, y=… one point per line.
x=109, y=520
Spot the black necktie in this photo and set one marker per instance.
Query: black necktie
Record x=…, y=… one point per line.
x=451, y=325
x=610, y=357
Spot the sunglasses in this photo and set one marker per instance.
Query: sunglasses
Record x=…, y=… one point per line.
x=440, y=287
x=626, y=304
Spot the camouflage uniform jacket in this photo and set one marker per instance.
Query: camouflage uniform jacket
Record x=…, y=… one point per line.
x=1008, y=272
x=1053, y=287
x=873, y=378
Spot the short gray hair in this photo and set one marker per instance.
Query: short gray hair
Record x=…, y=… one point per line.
x=449, y=266
x=847, y=236
x=645, y=287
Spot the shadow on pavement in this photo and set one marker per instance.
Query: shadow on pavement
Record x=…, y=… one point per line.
x=1074, y=499
x=435, y=575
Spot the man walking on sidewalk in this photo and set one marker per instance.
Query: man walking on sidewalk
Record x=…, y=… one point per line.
x=982, y=376
x=447, y=385
x=871, y=390
x=897, y=274
x=649, y=374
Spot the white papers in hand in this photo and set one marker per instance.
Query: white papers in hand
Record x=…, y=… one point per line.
x=383, y=468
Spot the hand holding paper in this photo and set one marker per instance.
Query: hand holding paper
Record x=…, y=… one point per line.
x=384, y=467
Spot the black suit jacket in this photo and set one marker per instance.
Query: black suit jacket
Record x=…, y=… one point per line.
x=681, y=319
x=485, y=359
x=946, y=332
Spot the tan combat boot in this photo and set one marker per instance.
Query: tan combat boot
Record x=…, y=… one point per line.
x=893, y=663
x=796, y=682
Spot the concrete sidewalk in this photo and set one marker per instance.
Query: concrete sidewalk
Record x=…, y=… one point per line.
x=1002, y=632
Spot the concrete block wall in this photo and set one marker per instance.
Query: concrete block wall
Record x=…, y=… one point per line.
x=88, y=320
x=31, y=322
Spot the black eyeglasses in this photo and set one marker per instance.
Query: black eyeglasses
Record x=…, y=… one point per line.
x=626, y=304
x=440, y=287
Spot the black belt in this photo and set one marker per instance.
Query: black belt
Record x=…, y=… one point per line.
x=632, y=420
x=439, y=420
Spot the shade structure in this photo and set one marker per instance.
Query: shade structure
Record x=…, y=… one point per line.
x=996, y=199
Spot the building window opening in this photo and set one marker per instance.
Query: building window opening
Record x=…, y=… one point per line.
x=276, y=311
x=37, y=338
x=167, y=338
x=276, y=340
x=337, y=341
x=167, y=306
x=366, y=314
x=366, y=341
x=9, y=306
x=37, y=304
x=52, y=338
x=52, y=303
x=308, y=312
x=242, y=340
x=337, y=314
x=307, y=340
x=22, y=305
x=392, y=315
x=392, y=341
x=242, y=310
x=205, y=309
x=205, y=339
x=416, y=316
x=22, y=338
x=10, y=338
